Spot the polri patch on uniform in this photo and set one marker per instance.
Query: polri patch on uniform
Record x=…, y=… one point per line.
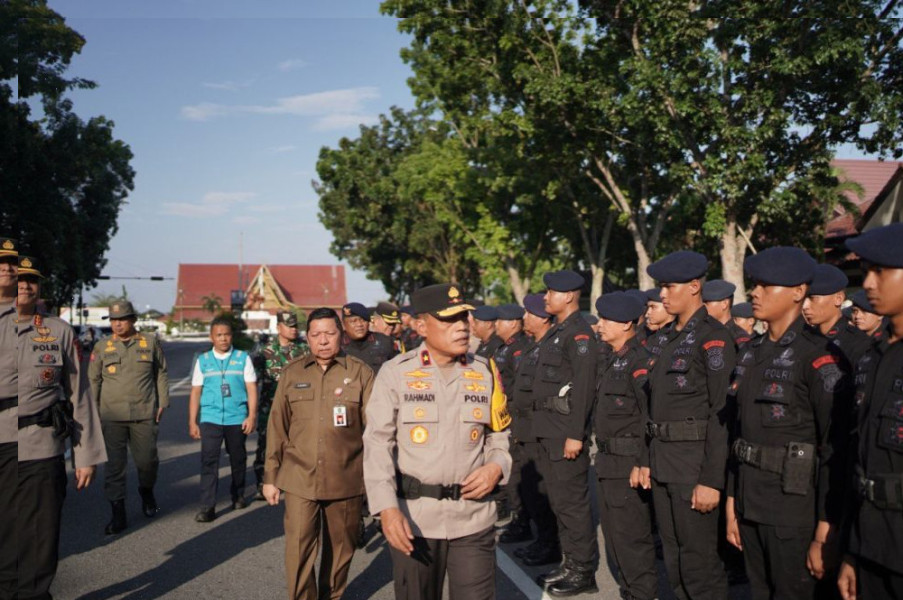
x=774, y=391
x=892, y=435
x=47, y=359
x=47, y=375
x=420, y=434
x=776, y=413
x=714, y=351
x=417, y=374
x=892, y=408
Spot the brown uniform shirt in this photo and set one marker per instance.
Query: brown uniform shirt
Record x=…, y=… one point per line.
x=315, y=432
x=9, y=371
x=49, y=370
x=435, y=426
x=128, y=378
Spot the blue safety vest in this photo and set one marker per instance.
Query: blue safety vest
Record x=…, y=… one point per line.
x=216, y=407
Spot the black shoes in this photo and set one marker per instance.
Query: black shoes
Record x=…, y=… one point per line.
x=544, y=554
x=148, y=502
x=576, y=581
x=555, y=575
x=517, y=531
x=205, y=515
x=239, y=503
x=118, y=522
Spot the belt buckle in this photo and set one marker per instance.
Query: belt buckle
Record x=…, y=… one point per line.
x=413, y=491
x=652, y=429
x=867, y=489
x=451, y=492
x=744, y=452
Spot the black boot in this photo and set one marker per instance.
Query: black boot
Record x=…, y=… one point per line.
x=577, y=581
x=545, y=554
x=556, y=574
x=118, y=522
x=518, y=530
x=148, y=502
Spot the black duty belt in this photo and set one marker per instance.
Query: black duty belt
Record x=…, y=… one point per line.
x=620, y=446
x=41, y=419
x=688, y=430
x=8, y=403
x=884, y=490
x=412, y=488
x=766, y=458
x=521, y=413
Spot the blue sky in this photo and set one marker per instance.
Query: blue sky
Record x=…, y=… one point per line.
x=226, y=105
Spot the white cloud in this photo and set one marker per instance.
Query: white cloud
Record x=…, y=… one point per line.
x=184, y=209
x=245, y=220
x=286, y=148
x=343, y=121
x=204, y=111
x=229, y=86
x=227, y=197
x=291, y=64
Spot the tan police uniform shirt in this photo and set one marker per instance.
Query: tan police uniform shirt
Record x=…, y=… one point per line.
x=49, y=370
x=316, y=426
x=436, y=427
x=128, y=377
x=9, y=370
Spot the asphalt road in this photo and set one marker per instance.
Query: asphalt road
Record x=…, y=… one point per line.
x=239, y=555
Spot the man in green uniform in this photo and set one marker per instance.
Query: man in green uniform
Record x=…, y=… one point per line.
x=130, y=385
x=283, y=349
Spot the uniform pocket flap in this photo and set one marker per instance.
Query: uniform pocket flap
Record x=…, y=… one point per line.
x=475, y=413
x=302, y=395
x=419, y=412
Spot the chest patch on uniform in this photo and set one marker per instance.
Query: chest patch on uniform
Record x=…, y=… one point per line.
x=774, y=391
x=893, y=408
x=785, y=359
x=418, y=374
x=892, y=435
x=474, y=434
x=776, y=413
x=475, y=399
x=142, y=343
x=420, y=434
x=681, y=382
x=679, y=364
x=897, y=387
x=43, y=336
x=419, y=413
x=419, y=385
x=47, y=359
x=111, y=369
x=475, y=387
x=477, y=413
x=690, y=339
x=302, y=386
x=144, y=357
x=472, y=375
x=47, y=375
x=777, y=374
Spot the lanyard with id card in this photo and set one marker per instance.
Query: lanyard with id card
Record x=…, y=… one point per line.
x=224, y=387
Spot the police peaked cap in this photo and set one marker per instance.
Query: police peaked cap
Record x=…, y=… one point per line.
x=355, y=309
x=620, y=307
x=510, y=312
x=121, y=309
x=28, y=267
x=679, y=267
x=782, y=265
x=441, y=300
x=389, y=312
x=827, y=280
x=535, y=305
x=717, y=289
x=564, y=281
x=742, y=311
x=8, y=247
x=861, y=300
x=654, y=295
x=485, y=313
x=882, y=246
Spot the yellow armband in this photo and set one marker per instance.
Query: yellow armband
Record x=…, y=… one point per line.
x=500, y=418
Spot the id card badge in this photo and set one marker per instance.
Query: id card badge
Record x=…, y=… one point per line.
x=339, y=416
x=226, y=390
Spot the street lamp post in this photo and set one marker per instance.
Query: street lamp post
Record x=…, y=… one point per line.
x=181, y=312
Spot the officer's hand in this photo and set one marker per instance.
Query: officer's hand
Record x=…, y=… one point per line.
x=160, y=413
x=733, y=525
x=84, y=476
x=846, y=581
x=635, y=477
x=247, y=426
x=572, y=448
x=397, y=530
x=481, y=481
x=705, y=499
x=815, y=559
x=194, y=431
x=271, y=494
x=646, y=478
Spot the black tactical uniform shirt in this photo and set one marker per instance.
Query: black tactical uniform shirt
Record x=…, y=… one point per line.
x=520, y=399
x=508, y=357
x=740, y=335
x=852, y=342
x=375, y=349
x=621, y=411
x=793, y=391
x=689, y=380
x=488, y=348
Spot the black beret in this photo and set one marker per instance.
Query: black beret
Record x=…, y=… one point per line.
x=861, y=300
x=881, y=246
x=717, y=289
x=510, y=312
x=440, y=300
x=355, y=309
x=536, y=305
x=590, y=319
x=638, y=294
x=620, y=307
x=742, y=310
x=679, y=267
x=485, y=313
x=828, y=279
x=653, y=295
x=564, y=281
x=781, y=265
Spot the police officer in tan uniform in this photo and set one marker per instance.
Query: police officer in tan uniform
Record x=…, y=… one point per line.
x=129, y=383
x=9, y=400
x=434, y=448
x=54, y=406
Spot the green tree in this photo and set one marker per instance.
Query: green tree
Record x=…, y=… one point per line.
x=63, y=180
x=211, y=303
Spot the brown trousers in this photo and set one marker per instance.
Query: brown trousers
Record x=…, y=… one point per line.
x=304, y=520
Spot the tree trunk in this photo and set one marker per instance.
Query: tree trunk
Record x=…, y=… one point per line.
x=519, y=287
x=598, y=263
x=733, y=251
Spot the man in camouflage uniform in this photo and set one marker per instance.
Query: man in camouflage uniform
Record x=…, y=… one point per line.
x=283, y=349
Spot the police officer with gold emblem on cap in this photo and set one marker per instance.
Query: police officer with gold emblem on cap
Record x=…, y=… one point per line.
x=822, y=312
x=372, y=347
x=873, y=564
x=385, y=318
x=434, y=448
x=55, y=405
x=130, y=385
x=563, y=390
x=9, y=401
x=689, y=446
x=792, y=391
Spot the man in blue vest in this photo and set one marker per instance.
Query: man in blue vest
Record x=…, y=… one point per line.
x=222, y=407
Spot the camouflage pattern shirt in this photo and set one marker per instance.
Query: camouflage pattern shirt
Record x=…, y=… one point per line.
x=273, y=359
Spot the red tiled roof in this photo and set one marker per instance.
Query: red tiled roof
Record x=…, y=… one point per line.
x=308, y=286
x=873, y=176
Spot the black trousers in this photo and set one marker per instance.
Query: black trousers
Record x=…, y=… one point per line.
x=9, y=481
x=775, y=560
x=212, y=437
x=39, y=503
x=512, y=488
x=141, y=438
x=469, y=562
x=626, y=519
x=535, y=496
x=568, y=486
x=877, y=582
x=689, y=542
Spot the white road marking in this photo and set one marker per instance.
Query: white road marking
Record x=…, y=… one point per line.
x=176, y=387
x=517, y=576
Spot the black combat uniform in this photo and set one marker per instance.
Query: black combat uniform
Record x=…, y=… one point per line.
x=488, y=348
x=375, y=349
x=739, y=334
x=689, y=446
x=791, y=397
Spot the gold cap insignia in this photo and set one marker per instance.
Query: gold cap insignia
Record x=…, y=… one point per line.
x=453, y=292
x=8, y=245
x=115, y=308
x=26, y=263
x=420, y=434
x=347, y=311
